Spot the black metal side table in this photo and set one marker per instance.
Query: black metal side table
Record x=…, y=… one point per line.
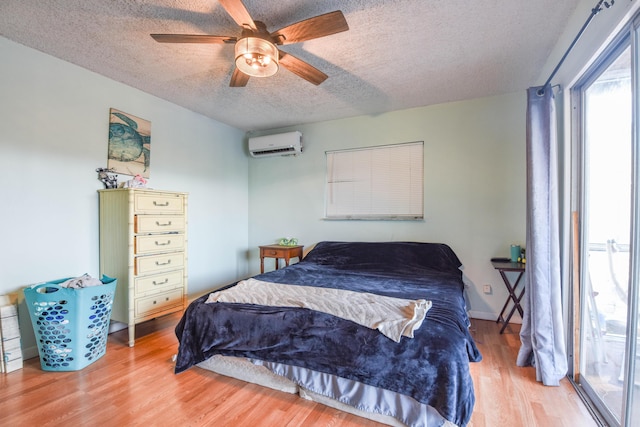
x=515, y=292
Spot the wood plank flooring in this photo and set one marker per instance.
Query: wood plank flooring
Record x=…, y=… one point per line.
x=137, y=387
x=508, y=395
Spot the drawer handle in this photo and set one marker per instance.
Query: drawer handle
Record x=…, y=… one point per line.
x=163, y=244
x=164, y=282
x=160, y=204
x=163, y=225
x=163, y=263
x=274, y=253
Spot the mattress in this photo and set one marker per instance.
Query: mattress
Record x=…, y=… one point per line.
x=373, y=403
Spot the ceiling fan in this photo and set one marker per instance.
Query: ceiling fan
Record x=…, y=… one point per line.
x=256, y=54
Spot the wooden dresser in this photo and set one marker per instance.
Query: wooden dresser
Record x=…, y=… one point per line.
x=143, y=243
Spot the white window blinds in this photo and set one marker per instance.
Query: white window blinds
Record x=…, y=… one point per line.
x=385, y=182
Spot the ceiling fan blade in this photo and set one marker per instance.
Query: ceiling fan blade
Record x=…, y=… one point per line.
x=312, y=28
x=192, y=38
x=239, y=13
x=301, y=68
x=239, y=79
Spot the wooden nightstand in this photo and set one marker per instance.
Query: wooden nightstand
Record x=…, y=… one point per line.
x=279, y=251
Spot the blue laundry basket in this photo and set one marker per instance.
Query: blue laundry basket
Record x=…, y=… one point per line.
x=70, y=325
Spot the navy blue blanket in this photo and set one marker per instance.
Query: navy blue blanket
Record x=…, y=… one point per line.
x=432, y=367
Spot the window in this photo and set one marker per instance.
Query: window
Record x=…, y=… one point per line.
x=384, y=182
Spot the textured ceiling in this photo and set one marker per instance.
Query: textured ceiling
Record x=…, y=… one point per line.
x=397, y=54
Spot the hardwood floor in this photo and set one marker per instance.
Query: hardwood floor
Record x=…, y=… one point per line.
x=507, y=395
x=137, y=387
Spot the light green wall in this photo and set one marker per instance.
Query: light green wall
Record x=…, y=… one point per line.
x=53, y=132
x=54, y=121
x=53, y=135
x=475, y=194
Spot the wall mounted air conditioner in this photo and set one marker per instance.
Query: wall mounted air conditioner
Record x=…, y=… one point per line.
x=282, y=144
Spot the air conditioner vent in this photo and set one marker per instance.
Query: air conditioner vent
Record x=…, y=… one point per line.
x=284, y=150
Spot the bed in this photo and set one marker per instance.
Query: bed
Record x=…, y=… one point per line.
x=420, y=378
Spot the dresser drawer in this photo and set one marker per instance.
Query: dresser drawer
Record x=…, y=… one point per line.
x=156, y=263
x=164, y=203
x=155, y=243
x=159, y=282
x=275, y=252
x=154, y=304
x=159, y=223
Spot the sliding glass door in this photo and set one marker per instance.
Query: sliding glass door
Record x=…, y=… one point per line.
x=609, y=225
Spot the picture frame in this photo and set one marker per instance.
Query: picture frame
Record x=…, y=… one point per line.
x=129, y=148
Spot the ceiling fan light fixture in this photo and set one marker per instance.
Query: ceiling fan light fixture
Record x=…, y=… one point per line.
x=256, y=57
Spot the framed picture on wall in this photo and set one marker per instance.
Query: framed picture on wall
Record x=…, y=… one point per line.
x=129, y=144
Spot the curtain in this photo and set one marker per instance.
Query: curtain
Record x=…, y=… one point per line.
x=542, y=332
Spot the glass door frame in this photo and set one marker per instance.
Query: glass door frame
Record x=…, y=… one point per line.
x=634, y=270
x=629, y=36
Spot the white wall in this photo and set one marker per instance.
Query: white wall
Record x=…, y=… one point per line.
x=474, y=186
x=53, y=135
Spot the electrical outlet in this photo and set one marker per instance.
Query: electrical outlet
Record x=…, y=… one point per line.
x=487, y=289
